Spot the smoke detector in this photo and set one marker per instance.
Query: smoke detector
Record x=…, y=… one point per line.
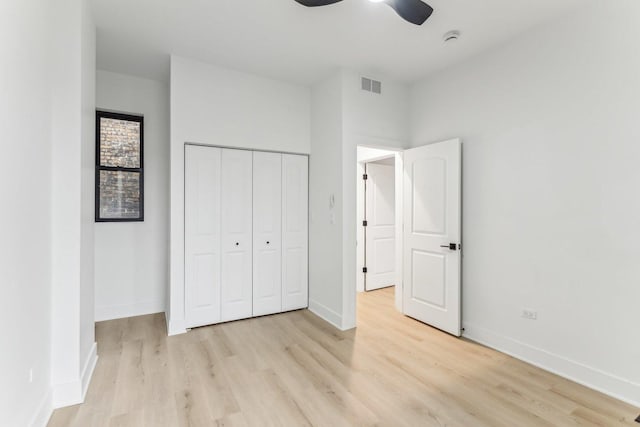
x=451, y=36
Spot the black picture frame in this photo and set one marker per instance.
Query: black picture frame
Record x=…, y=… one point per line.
x=98, y=167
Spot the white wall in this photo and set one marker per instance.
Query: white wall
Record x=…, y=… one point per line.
x=73, y=73
x=371, y=120
x=87, y=164
x=325, y=181
x=550, y=130
x=25, y=245
x=343, y=117
x=216, y=106
x=131, y=273
x=45, y=110
x=381, y=117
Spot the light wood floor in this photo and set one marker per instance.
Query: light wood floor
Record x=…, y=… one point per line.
x=294, y=369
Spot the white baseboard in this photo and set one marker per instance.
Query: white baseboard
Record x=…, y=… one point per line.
x=88, y=369
x=609, y=384
x=111, y=312
x=74, y=392
x=326, y=314
x=43, y=412
x=175, y=327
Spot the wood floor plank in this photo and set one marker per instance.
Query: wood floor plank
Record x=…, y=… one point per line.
x=294, y=369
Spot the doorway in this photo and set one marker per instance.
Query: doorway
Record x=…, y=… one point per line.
x=376, y=214
x=379, y=224
x=409, y=237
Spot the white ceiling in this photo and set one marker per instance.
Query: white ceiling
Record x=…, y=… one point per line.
x=284, y=40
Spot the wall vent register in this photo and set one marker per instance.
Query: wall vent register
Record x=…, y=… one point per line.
x=370, y=85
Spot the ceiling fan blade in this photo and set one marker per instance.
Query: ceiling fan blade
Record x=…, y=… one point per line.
x=414, y=11
x=314, y=3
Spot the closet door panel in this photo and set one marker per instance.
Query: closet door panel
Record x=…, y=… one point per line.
x=294, y=232
x=267, y=233
x=236, y=231
x=202, y=235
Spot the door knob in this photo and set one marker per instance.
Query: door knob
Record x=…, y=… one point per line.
x=450, y=246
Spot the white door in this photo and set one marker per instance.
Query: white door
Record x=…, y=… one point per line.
x=202, y=235
x=432, y=235
x=295, y=179
x=236, y=231
x=267, y=233
x=380, y=232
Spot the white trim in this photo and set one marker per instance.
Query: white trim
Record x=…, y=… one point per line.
x=380, y=143
x=348, y=324
x=111, y=312
x=88, y=369
x=67, y=394
x=373, y=159
x=235, y=147
x=399, y=183
x=43, y=412
x=175, y=327
x=360, y=215
x=74, y=392
x=596, y=379
x=326, y=314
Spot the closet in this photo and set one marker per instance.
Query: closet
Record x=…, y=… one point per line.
x=246, y=234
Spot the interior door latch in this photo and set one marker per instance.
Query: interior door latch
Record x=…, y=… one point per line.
x=451, y=246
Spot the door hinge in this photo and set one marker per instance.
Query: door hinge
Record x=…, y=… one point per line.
x=365, y=176
x=365, y=223
x=364, y=269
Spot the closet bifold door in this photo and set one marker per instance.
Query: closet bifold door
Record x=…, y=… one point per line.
x=267, y=233
x=295, y=225
x=202, y=235
x=236, y=231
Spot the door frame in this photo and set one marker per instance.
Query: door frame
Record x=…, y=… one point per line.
x=364, y=188
x=398, y=171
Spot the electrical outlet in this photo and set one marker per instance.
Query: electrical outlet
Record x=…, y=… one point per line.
x=529, y=314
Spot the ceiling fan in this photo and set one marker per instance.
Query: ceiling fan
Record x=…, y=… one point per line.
x=414, y=11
